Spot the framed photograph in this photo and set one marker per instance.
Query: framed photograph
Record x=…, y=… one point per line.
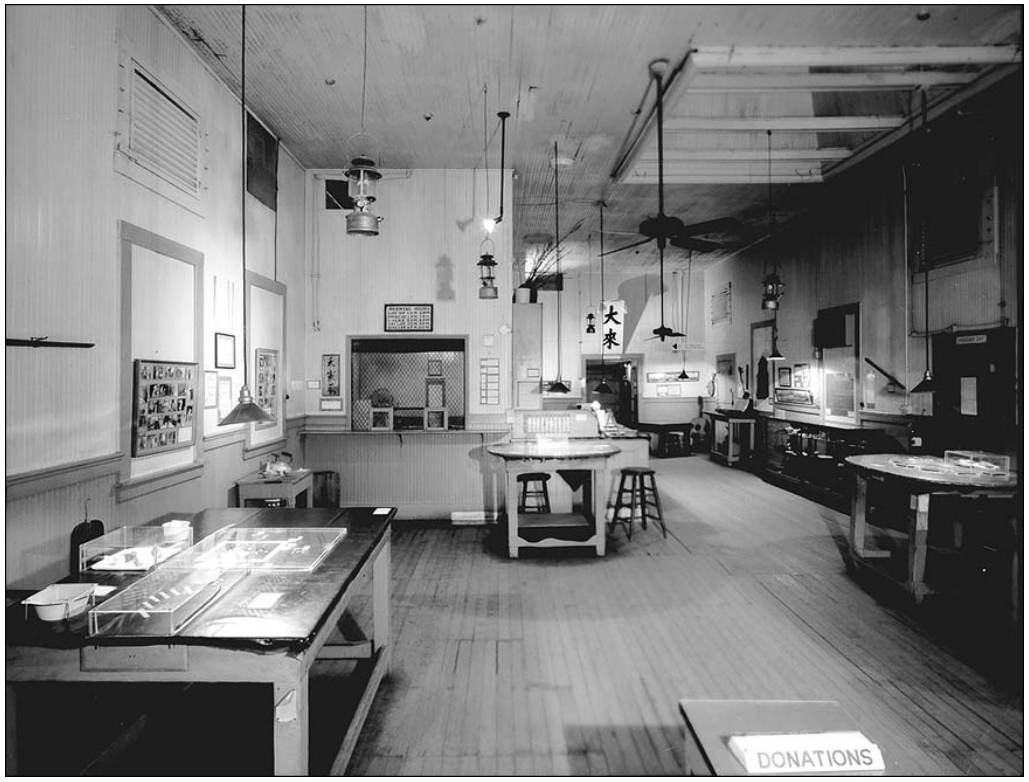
x=164, y=405
x=802, y=376
x=792, y=396
x=435, y=368
x=266, y=390
x=784, y=377
x=224, y=351
x=210, y=390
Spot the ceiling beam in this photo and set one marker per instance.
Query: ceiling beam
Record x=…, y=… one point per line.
x=687, y=155
x=864, y=81
x=833, y=124
x=721, y=178
x=851, y=56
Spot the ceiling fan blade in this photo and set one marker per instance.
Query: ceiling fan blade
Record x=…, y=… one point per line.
x=627, y=247
x=711, y=226
x=690, y=243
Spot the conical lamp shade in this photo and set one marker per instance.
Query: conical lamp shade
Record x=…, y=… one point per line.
x=558, y=387
x=683, y=376
x=776, y=355
x=246, y=412
x=927, y=386
x=603, y=388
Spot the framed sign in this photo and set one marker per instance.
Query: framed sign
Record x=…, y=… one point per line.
x=793, y=396
x=408, y=317
x=330, y=374
x=784, y=377
x=224, y=351
x=164, y=400
x=802, y=376
x=266, y=391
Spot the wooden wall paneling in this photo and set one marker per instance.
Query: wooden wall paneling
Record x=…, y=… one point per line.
x=61, y=269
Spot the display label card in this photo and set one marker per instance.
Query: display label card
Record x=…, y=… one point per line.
x=807, y=753
x=264, y=600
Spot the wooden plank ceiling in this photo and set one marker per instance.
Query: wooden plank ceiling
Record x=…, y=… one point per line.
x=831, y=83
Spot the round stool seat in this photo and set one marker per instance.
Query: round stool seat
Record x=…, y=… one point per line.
x=534, y=476
x=637, y=471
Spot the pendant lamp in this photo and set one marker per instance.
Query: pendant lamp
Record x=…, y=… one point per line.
x=558, y=386
x=492, y=222
x=685, y=310
x=771, y=285
x=362, y=176
x=928, y=382
x=246, y=411
x=602, y=386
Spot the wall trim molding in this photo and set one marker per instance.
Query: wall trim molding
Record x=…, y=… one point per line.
x=222, y=440
x=131, y=490
x=37, y=481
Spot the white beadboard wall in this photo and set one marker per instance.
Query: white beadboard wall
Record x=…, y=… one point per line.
x=62, y=269
x=426, y=252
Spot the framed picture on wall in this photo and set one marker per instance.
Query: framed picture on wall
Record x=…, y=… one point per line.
x=224, y=351
x=784, y=377
x=164, y=397
x=802, y=376
x=330, y=374
x=435, y=367
x=266, y=386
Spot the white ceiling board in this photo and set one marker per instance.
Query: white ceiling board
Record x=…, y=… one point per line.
x=571, y=73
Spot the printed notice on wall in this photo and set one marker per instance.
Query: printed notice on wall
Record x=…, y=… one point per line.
x=839, y=394
x=408, y=317
x=969, y=396
x=489, y=381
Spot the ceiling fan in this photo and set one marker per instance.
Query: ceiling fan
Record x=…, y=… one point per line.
x=663, y=229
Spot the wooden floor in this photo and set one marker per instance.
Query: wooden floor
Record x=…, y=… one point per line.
x=559, y=664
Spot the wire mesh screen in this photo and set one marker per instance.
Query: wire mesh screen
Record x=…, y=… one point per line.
x=409, y=378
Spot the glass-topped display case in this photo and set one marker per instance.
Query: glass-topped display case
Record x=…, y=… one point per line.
x=164, y=601
x=132, y=548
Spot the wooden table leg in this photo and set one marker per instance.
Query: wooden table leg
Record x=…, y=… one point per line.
x=290, y=734
x=858, y=508
x=380, y=602
x=917, y=545
x=601, y=479
x=512, y=514
x=10, y=730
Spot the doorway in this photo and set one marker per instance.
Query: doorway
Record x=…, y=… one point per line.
x=621, y=373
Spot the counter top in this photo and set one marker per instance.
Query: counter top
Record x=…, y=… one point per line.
x=563, y=449
x=931, y=469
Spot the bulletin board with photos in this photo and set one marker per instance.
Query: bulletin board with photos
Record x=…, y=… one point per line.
x=266, y=391
x=164, y=401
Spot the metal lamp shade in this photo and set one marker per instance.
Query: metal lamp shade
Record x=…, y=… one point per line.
x=246, y=411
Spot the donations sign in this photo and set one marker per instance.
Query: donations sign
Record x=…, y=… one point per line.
x=839, y=752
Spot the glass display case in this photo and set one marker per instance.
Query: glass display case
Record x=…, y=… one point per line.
x=163, y=601
x=132, y=548
x=980, y=461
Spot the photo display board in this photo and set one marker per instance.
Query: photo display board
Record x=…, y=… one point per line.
x=164, y=399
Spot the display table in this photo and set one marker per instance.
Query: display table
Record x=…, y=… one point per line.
x=920, y=477
x=732, y=437
x=255, y=489
x=268, y=627
x=711, y=723
x=584, y=465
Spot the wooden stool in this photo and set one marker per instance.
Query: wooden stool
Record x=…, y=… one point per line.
x=642, y=495
x=537, y=493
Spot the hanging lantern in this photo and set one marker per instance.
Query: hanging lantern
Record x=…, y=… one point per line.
x=487, y=276
x=362, y=177
x=772, y=291
x=591, y=323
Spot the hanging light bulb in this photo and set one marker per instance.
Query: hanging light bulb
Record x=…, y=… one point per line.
x=602, y=386
x=246, y=410
x=928, y=383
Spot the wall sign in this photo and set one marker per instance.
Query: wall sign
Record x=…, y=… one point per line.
x=163, y=406
x=330, y=374
x=408, y=317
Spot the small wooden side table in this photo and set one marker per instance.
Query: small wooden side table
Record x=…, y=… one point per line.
x=254, y=489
